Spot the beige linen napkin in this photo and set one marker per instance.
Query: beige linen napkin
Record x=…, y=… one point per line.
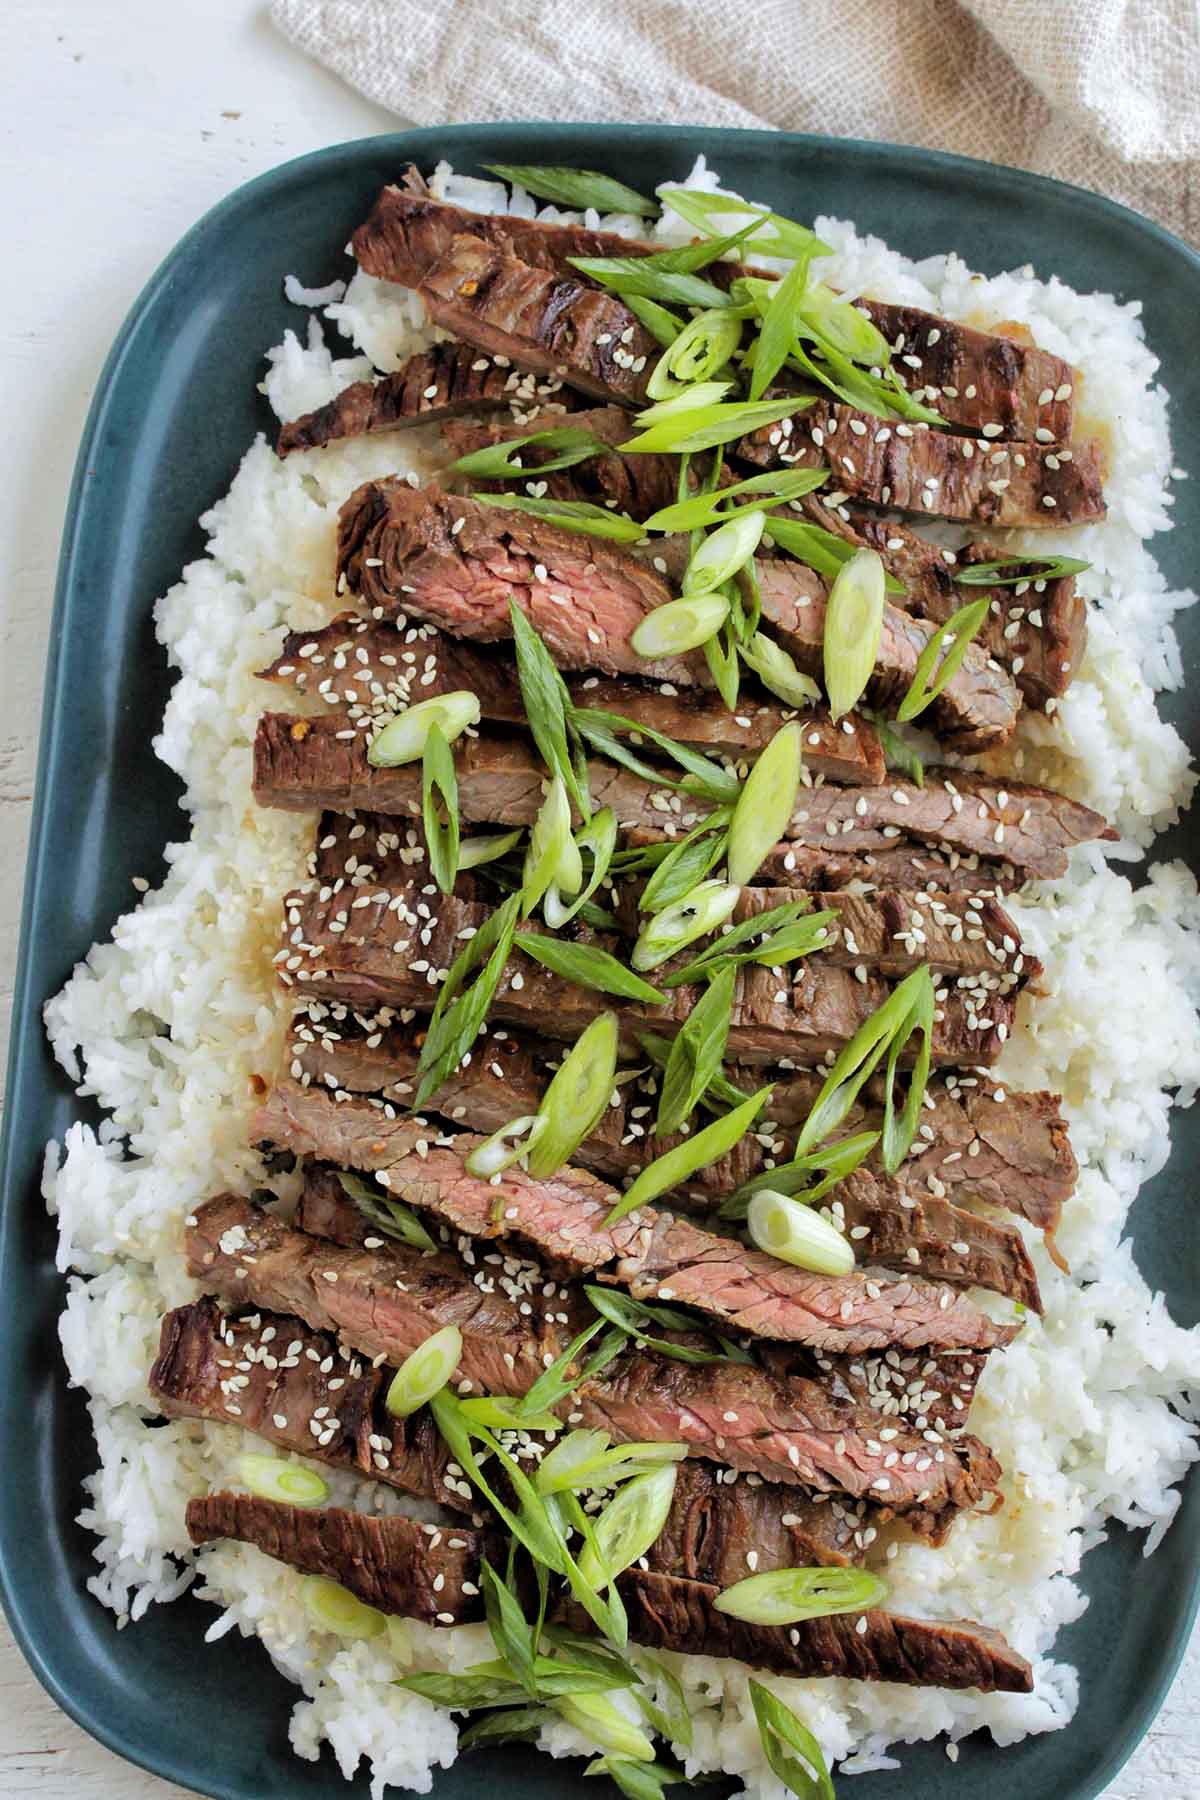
x=1101, y=92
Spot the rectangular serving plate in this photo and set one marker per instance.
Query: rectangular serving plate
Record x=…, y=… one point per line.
x=175, y=410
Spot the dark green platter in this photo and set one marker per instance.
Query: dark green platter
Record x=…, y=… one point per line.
x=175, y=409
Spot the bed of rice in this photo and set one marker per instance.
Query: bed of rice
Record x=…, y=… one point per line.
x=166, y=1024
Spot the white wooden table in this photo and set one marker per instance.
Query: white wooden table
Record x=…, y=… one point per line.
x=122, y=121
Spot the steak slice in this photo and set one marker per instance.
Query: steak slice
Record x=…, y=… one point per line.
x=723, y=1525
x=659, y=1256
x=668, y=1613
x=977, y=710
x=456, y=563
x=361, y=952
x=923, y=1389
x=442, y=382
x=637, y=485
x=300, y=1389
x=917, y=469
x=1008, y=1149
x=555, y=324
x=973, y=378
x=386, y=1300
x=402, y=1566
x=904, y=868
x=1036, y=630
x=368, y=673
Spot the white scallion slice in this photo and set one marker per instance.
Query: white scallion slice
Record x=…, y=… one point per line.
x=553, y=855
x=273, y=1479
x=693, y=399
x=628, y=1525
x=577, y=1097
x=765, y=804
x=724, y=551
x=786, y=1596
x=486, y=848
x=708, y=905
x=853, y=626
x=702, y=347
x=507, y=1145
x=777, y=672
x=425, y=1372
x=599, y=1720
x=567, y=1459
x=795, y=1234
x=680, y=625
x=334, y=1608
x=402, y=739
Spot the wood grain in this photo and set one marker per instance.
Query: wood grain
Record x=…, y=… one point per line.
x=125, y=120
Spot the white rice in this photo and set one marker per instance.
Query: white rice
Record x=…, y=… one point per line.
x=166, y=1025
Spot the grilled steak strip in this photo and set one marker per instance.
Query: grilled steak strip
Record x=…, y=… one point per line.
x=978, y=708
x=926, y=1389
x=456, y=563
x=401, y=1566
x=274, y=1376
x=637, y=485
x=303, y=766
x=973, y=378
x=670, y=1614
x=659, y=1256
x=361, y=951
x=788, y=1430
x=386, y=1300
x=393, y=1565
x=555, y=324
x=904, y=868
x=368, y=673
x=916, y=469
x=1038, y=633
x=440, y=383
x=976, y=1140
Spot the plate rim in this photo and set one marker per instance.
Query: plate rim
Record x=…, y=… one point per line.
x=27, y=1007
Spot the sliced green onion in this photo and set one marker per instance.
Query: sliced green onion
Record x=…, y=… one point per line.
x=674, y=1722
x=778, y=672
x=439, y=808
x=424, y=1372
x=777, y=332
x=697, y=398
x=883, y=396
x=853, y=627
x=570, y=515
x=773, y=234
x=391, y=1216
x=402, y=739
x=696, y=1054
x=507, y=1145
x=703, y=428
x=334, y=1608
x=780, y=1731
x=696, y=1152
x=953, y=638
x=636, y=1780
x=272, y=1479
x=577, y=188
x=629, y=1524
x=499, y=1413
x=793, y=1233
x=801, y=938
x=588, y=967
x=460, y=1010
x=705, y=776
x=899, y=753
x=645, y=276
x=553, y=855
x=1010, y=571
x=675, y=927
x=556, y=1382
x=720, y=1094
x=512, y=1725
x=531, y=1525
x=898, y=1133
x=841, y=325
x=765, y=804
x=724, y=551
x=821, y=550
x=774, y=488
x=486, y=848
x=634, y=1318
x=563, y=1463
x=702, y=347
x=658, y=320
x=566, y=444
x=679, y=626
x=577, y=1097
x=547, y=706
x=838, y=1160
x=857, y=1062
x=686, y=862
x=786, y=1596
x=599, y=1720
